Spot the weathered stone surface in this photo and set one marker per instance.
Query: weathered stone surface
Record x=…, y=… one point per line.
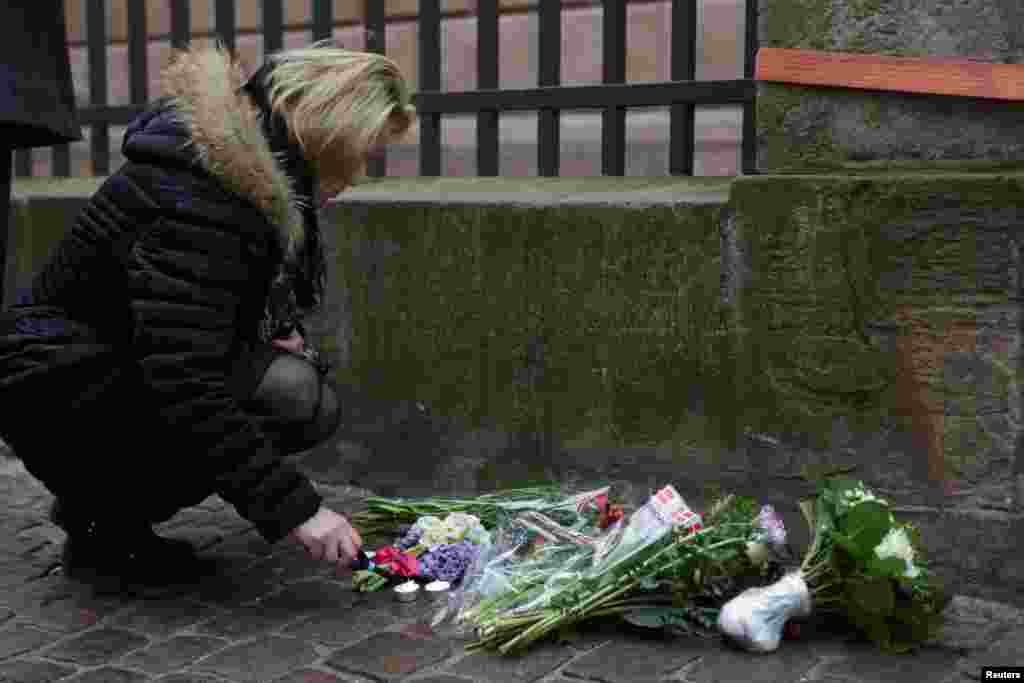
x=982, y=30
x=33, y=671
x=309, y=676
x=1007, y=651
x=493, y=667
x=17, y=639
x=310, y=596
x=635, y=661
x=161, y=618
x=98, y=646
x=248, y=621
x=109, y=674
x=802, y=127
x=339, y=628
x=174, y=653
x=390, y=656
x=867, y=664
x=789, y=664
x=259, y=660
x=814, y=130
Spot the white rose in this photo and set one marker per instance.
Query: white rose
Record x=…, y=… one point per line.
x=897, y=544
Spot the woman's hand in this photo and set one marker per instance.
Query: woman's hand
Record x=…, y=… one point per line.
x=294, y=343
x=328, y=536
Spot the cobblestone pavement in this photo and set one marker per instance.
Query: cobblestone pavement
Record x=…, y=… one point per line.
x=267, y=614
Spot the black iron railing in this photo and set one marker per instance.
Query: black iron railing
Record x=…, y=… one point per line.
x=613, y=97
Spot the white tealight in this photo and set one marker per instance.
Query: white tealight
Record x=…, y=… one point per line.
x=438, y=586
x=407, y=591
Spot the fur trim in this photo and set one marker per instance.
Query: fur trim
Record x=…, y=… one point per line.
x=203, y=85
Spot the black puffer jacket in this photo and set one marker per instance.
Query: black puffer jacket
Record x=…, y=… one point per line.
x=171, y=266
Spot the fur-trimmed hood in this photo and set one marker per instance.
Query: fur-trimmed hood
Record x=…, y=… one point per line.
x=224, y=134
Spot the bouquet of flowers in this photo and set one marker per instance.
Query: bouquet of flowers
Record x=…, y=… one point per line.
x=432, y=549
x=386, y=515
x=664, y=546
x=862, y=564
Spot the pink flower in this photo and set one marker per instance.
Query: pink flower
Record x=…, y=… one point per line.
x=396, y=562
x=770, y=522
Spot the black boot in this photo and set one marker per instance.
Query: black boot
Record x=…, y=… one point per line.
x=122, y=552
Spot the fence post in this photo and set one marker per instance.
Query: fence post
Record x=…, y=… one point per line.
x=375, y=15
x=487, y=79
x=748, y=165
x=430, y=81
x=96, y=24
x=613, y=123
x=550, y=74
x=682, y=127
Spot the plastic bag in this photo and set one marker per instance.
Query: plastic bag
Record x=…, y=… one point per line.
x=523, y=567
x=663, y=512
x=754, y=619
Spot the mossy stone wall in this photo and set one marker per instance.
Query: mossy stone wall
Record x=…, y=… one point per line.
x=803, y=128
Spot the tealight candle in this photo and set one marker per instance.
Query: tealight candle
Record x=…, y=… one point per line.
x=438, y=589
x=407, y=592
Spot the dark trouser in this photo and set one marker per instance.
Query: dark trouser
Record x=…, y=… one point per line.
x=107, y=455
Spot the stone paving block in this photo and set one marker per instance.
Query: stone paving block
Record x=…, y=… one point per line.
x=172, y=654
x=310, y=676
x=789, y=664
x=390, y=656
x=55, y=602
x=247, y=622
x=293, y=567
x=108, y=674
x=187, y=677
x=161, y=618
x=33, y=671
x=311, y=596
x=248, y=543
x=383, y=601
x=17, y=639
x=262, y=659
x=865, y=663
x=96, y=647
x=1007, y=651
x=495, y=668
x=635, y=660
x=232, y=590
x=339, y=627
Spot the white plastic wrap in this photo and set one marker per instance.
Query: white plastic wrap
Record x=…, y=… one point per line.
x=755, y=618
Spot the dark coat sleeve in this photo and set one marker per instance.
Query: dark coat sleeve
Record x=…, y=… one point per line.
x=189, y=283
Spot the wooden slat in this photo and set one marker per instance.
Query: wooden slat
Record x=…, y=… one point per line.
x=929, y=76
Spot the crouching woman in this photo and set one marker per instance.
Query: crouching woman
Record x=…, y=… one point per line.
x=159, y=356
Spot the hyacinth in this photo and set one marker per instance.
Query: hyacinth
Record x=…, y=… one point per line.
x=410, y=540
x=448, y=562
x=769, y=522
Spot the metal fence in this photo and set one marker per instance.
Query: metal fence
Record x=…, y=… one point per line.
x=681, y=94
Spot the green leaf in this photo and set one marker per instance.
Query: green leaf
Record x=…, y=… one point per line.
x=871, y=595
x=661, y=617
x=864, y=527
x=891, y=567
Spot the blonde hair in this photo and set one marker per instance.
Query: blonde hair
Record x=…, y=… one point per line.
x=339, y=103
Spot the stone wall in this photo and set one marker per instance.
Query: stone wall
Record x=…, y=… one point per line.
x=821, y=128
x=748, y=334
